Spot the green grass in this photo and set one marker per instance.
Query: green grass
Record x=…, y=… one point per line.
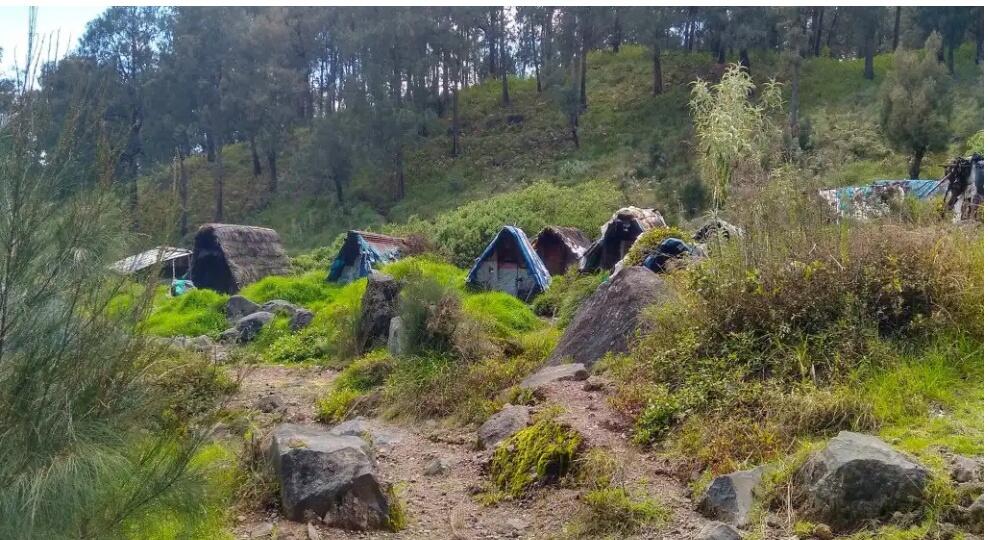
x=197, y=312
x=503, y=314
x=444, y=273
x=304, y=289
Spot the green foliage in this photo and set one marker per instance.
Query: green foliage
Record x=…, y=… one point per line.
x=541, y=453
x=397, y=514
x=304, y=289
x=650, y=240
x=616, y=511
x=502, y=314
x=197, y=312
x=975, y=143
x=360, y=377
x=443, y=273
x=567, y=292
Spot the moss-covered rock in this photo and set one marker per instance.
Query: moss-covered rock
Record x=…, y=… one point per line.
x=539, y=454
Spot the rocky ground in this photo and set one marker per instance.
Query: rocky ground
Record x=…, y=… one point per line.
x=438, y=469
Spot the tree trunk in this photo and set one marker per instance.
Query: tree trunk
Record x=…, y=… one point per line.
x=583, y=78
x=183, y=195
x=574, y=126
x=794, y=104
x=491, y=45
x=218, y=185
x=399, y=174
x=505, y=98
x=455, y=150
x=616, y=32
x=869, y=54
x=818, y=22
x=547, y=41
x=830, y=32
x=745, y=60
x=254, y=157
x=656, y=70
x=272, y=172
x=895, y=29
x=950, y=58
x=916, y=162
x=979, y=51
x=338, y=182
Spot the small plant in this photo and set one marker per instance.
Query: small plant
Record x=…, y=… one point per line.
x=568, y=291
x=397, y=513
x=539, y=454
x=354, y=383
x=614, y=510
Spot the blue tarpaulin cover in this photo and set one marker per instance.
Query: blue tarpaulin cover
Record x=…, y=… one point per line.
x=532, y=260
x=362, y=251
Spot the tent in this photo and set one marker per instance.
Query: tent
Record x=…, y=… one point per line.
x=617, y=237
x=877, y=199
x=362, y=251
x=226, y=258
x=560, y=247
x=510, y=264
x=174, y=262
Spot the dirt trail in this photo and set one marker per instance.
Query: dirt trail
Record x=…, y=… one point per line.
x=440, y=506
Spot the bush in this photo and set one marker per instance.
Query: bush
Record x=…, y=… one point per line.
x=197, y=312
x=305, y=289
x=539, y=454
x=356, y=381
x=568, y=291
x=613, y=510
x=649, y=240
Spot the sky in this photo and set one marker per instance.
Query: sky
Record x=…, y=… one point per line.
x=66, y=22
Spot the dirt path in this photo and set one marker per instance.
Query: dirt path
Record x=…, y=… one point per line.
x=441, y=506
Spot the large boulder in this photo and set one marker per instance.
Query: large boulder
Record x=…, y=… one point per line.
x=332, y=476
x=503, y=424
x=730, y=497
x=718, y=531
x=301, y=318
x=395, y=348
x=857, y=479
x=551, y=374
x=248, y=327
x=378, y=306
x=279, y=307
x=609, y=318
x=238, y=307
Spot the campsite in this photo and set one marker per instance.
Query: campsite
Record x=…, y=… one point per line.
x=651, y=272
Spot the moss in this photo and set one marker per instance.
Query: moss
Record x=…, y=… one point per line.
x=650, y=240
x=397, y=513
x=541, y=453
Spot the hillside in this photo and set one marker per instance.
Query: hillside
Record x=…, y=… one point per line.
x=638, y=143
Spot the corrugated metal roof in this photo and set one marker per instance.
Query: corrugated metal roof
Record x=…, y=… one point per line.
x=146, y=259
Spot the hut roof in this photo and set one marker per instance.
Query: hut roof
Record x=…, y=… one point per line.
x=573, y=238
x=251, y=253
x=535, y=265
x=367, y=249
x=625, y=219
x=149, y=258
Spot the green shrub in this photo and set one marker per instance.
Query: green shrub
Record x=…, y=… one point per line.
x=650, y=240
x=613, y=510
x=541, y=453
x=356, y=381
x=567, y=292
x=197, y=312
x=305, y=289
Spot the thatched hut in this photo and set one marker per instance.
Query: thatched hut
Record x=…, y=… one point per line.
x=174, y=262
x=226, y=258
x=560, y=247
x=510, y=264
x=617, y=237
x=362, y=251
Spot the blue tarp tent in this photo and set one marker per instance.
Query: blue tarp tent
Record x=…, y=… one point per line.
x=873, y=200
x=361, y=252
x=510, y=264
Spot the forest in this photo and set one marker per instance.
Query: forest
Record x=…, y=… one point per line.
x=494, y=272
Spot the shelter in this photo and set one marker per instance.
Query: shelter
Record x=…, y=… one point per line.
x=560, y=247
x=226, y=258
x=174, y=262
x=362, y=251
x=877, y=199
x=617, y=237
x=510, y=264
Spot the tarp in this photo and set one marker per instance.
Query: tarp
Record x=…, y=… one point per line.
x=532, y=260
x=363, y=250
x=870, y=200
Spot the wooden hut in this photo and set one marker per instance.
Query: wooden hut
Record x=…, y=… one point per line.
x=510, y=264
x=617, y=237
x=560, y=247
x=226, y=258
x=362, y=251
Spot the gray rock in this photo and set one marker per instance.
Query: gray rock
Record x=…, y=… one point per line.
x=436, y=466
x=279, y=307
x=330, y=475
x=229, y=335
x=262, y=530
x=238, y=307
x=202, y=343
x=311, y=532
x=361, y=427
x=503, y=424
x=856, y=479
x=716, y=530
x=965, y=469
x=301, y=318
x=608, y=319
x=730, y=497
x=394, y=337
x=248, y=327
x=551, y=374
x=378, y=306
x=269, y=404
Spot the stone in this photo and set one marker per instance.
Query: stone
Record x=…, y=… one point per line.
x=395, y=348
x=594, y=384
x=202, y=343
x=551, y=374
x=301, y=319
x=311, y=532
x=503, y=424
x=822, y=532
x=329, y=475
x=228, y=336
x=436, y=466
x=716, y=530
x=238, y=307
x=361, y=427
x=279, y=307
x=857, y=479
x=730, y=497
x=269, y=404
x=262, y=530
x=378, y=306
x=608, y=319
x=249, y=326
x=964, y=469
